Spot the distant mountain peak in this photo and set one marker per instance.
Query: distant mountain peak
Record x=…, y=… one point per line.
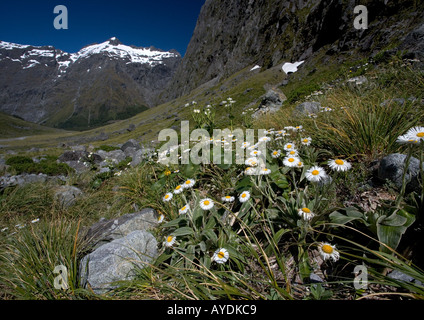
x=114, y=41
x=41, y=81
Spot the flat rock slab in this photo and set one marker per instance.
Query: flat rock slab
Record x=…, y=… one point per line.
x=117, y=261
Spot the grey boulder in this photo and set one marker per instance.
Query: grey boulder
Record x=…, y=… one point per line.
x=307, y=108
x=117, y=261
x=67, y=195
x=118, y=248
x=392, y=167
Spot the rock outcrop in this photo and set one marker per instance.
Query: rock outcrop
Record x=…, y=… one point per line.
x=234, y=34
x=118, y=247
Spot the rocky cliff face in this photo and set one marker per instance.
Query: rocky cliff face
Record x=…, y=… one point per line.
x=233, y=34
x=101, y=82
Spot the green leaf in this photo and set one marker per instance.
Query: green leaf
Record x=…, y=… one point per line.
x=210, y=234
x=180, y=221
x=304, y=266
x=243, y=184
x=391, y=229
x=351, y=215
x=189, y=170
x=183, y=231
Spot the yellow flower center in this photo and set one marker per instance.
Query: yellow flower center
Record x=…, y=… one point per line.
x=291, y=160
x=305, y=140
x=292, y=152
x=339, y=162
x=178, y=187
x=299, y=164
x=221, y=254
x=327, y=248
x=275, y=153
x=244, y=195
x=167, y=196
x=227, y=197
x=188, y=182
x=289, y=146
x=315, y=172
x=206, y=202
x=420, y=134
x=306, y=210
x=183, y=208
x=169, y=239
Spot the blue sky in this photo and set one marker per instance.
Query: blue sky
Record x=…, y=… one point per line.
x=164, y=24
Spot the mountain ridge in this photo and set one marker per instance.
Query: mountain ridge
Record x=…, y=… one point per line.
x=233, y=34
x=46, y=85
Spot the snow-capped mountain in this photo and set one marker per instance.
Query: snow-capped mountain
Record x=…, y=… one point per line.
x=99, y=83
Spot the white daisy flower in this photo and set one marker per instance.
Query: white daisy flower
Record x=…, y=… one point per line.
x=280, y=132
x=291, y=161
x=250, y=171
x=189, y=183
x=264, y=171
x=170, y=240
x=161, y=218
x=245, y=145
x=339, y=165
x=228, y=199
x=299, y=164
x=265, y=139
x=167, y=197
x=251, y=162
x=298, y=128
x=244, y=196
x=416, y=133
x=276, y=153
x=221, y=255
x=184, y=209
x=178, y=189
x=315, y=174
x=328, y=251
x=292, y=153
x=289, y=146
x=35, y=220
x=406, y=139
x=306, y=141
x=206, y=204
x=255, y=153
x=306, y=214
